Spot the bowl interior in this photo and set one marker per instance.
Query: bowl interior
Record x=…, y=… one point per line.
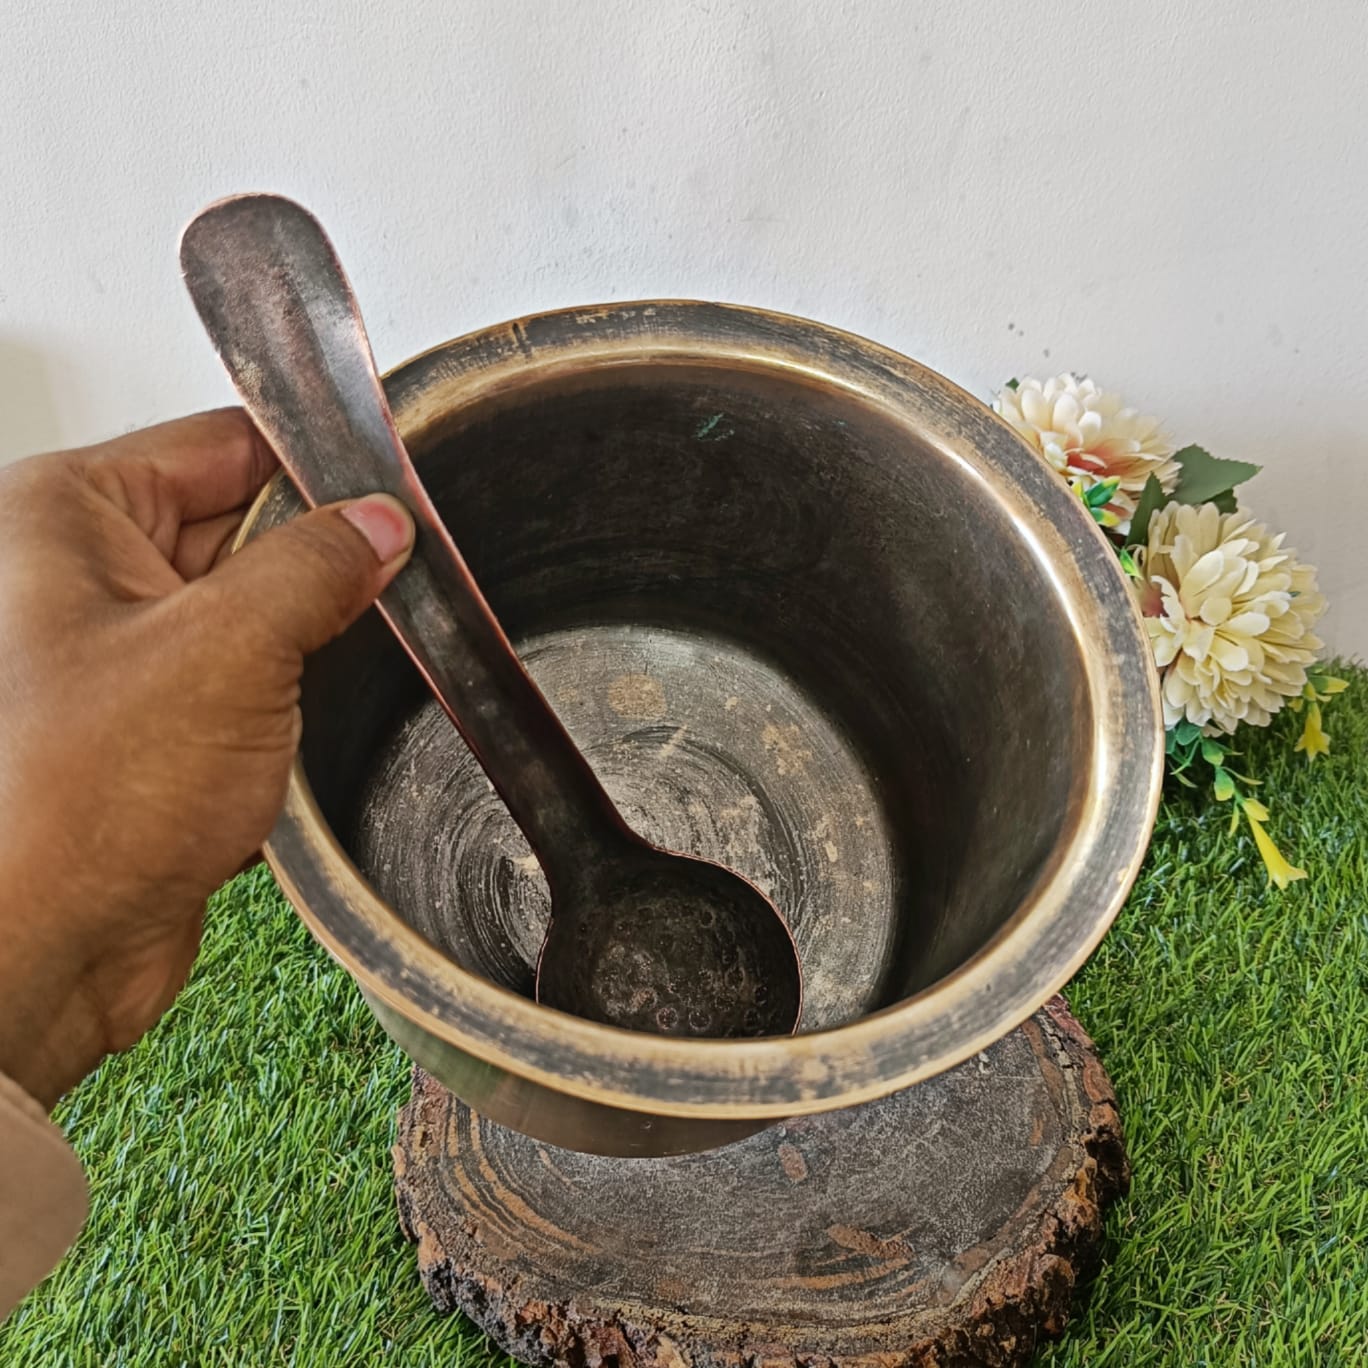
x=790, y=632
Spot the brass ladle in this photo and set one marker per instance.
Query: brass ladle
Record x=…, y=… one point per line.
x=640, y=937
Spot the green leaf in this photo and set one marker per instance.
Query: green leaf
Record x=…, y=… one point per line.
x=1152, y=499
x=1181, y=755
x=1186, y=732
x=1013, y=383
x=1225, y=503
x=1128, y=563
x=1322, y=684
x=1100, y=493
x=1213, y=752
x=1223, y=786
x=1208, y=479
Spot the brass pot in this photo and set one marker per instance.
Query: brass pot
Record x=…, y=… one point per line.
x=811, y=611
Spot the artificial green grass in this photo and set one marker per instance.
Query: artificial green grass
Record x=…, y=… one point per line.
x=239, y=1157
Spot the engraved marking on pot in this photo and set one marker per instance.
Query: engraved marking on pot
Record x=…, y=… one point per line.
x=784, y=743
x=741, y=826
x=714, y=429
x=672, y=745
x=637, y=696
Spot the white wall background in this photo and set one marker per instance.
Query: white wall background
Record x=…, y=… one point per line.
x=1170, y=196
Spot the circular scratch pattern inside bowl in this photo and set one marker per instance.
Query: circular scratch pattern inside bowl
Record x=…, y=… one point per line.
x=704, y=748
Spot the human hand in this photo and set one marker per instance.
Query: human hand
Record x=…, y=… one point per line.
x=148, y=714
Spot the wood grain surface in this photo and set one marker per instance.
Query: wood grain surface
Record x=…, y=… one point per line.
x=948, y=1224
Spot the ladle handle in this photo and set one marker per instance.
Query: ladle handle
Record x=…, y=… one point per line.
x=275, y=300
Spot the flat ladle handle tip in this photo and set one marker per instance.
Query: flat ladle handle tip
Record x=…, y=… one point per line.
x=273, y=296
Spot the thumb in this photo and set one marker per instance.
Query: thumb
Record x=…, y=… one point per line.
x=310, y=579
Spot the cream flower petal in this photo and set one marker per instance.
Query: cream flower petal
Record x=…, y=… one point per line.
x=1230, y=616
x=1035, y=407
x=1228, y=654
x=1216, y=611
x=1165, y=646
x=1091, y=436
x=1197, y=640
x=1204, y=572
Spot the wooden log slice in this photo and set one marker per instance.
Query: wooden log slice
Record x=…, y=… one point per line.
x=946, y=1225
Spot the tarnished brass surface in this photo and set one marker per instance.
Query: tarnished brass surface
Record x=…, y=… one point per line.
x=809, y=610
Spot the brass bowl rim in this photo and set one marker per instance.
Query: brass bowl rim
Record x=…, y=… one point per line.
x=899, y=1045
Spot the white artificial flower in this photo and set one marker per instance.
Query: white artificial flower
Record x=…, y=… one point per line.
x=1090, y=436
x=1229, y=612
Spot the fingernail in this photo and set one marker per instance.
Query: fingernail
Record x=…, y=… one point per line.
x=385, y=524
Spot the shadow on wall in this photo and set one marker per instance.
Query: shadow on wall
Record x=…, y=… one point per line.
x=29, y=421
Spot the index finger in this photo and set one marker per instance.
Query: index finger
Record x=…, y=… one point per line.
x=185, y=470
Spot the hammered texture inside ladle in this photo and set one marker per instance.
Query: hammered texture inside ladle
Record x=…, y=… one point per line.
x=640, y=937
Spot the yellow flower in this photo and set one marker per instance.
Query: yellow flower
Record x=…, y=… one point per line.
x=1089, y=436
x=1313, y=740
x=1280, y=871
x=1229, y=612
